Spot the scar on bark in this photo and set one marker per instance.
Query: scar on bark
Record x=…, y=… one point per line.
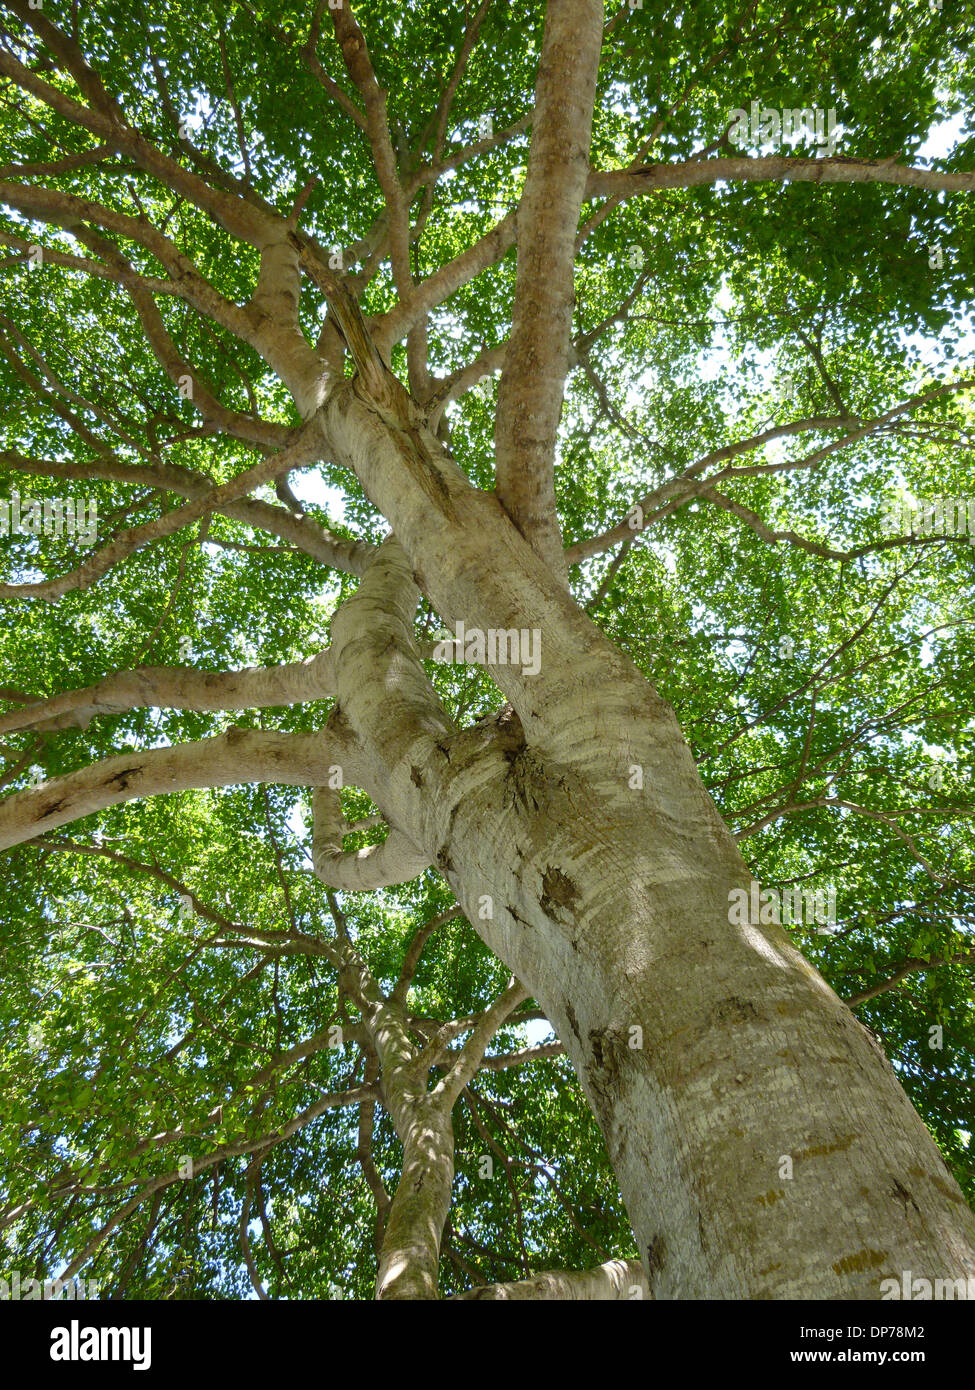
x=558, y=891
x=573, y=1021
x=337, y=723
x=656, y=1254
x=444, y=861
x=702, y=1233
x=524, y=784
x=839, y=1145
x=415, y=776
x=946, y=1190
x=862, y=1260
x=120, y=777
x=604, y=1071
x=902, y=1195
x=525, y=779
x=425, y=472
x=734, y=1010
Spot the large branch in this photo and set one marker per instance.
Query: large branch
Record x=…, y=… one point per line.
x=301, y=450
x=103, y=117
x=768, y=533
x=310, y=59
x=268, y=323
x=537, y=361
x=678, y=490
x=230, y=759
x=273, y=314
x=359, y=65
x=415, y=949
x=396, y=860
x=501, y=1061
x=625, y=183
x=301, y=532
x=384, y=691
x=355, y=1096
x=179, y=687
x=70, y=211
x=438, y=125
x=390, y=327
x=247, y=218
x=154, y=283
x=468, y=1060
x=274, y=337
x=909, y=967
x=614, y=1281
x=203, y=398
x=411, y=1248
x=428, y=174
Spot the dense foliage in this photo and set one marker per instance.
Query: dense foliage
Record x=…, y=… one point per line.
x=820, y=665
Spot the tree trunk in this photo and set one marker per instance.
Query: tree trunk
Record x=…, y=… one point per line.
x=748, y=1058
x=609, y=900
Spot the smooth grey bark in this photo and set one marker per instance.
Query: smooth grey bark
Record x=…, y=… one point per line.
x=611, y=905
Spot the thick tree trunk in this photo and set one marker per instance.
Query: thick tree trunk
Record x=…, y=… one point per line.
x=747, y=1060
x=611, y=904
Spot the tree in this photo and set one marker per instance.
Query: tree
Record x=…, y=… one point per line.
x=547, y=675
